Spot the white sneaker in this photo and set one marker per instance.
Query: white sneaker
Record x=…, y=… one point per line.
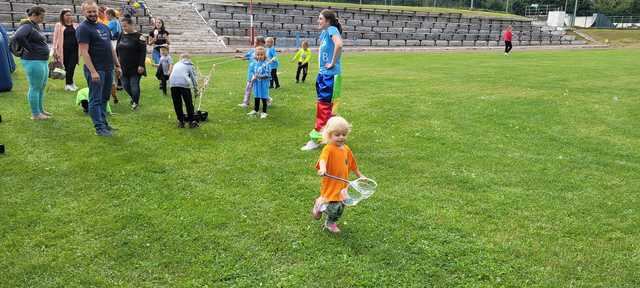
x=506, y=54
x=263, y=115
x=74, y=88
x=68, y=88
x=311, y=145
x=245, y=106
x=252, y=113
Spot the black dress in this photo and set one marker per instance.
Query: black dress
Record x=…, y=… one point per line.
x=70, y=50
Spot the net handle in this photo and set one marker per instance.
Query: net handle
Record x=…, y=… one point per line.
x=336, y=178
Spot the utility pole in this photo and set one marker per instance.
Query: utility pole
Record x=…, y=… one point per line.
x=471, y=4
x=506, y=8
x=575, y=11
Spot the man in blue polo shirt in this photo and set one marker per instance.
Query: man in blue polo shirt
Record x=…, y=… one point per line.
x=94, y=41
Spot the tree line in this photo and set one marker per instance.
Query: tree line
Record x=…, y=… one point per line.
x=585, y=7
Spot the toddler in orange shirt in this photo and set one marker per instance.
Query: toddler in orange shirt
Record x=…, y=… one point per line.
x=336, y=159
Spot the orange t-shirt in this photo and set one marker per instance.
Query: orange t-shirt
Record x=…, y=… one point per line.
x=339, y=162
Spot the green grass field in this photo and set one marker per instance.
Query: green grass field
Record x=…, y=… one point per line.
x=493, y=171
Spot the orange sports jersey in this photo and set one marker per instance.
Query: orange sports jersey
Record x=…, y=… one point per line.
x=339, y=161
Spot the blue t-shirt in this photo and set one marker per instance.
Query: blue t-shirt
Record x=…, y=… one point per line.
x=326, y=51
x=271, y=54
x=261, y=69
x=114, y=27
x=250, y=56
x=98, y=37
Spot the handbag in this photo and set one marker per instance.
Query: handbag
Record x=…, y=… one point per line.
x=56, y=70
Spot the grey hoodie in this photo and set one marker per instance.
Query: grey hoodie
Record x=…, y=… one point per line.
x=183, y=75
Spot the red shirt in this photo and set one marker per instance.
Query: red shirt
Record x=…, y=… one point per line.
x=508, y=35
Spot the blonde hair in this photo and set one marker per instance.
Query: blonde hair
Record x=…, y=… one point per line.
x=335, y=124
x=88, y=3
x=264, y=52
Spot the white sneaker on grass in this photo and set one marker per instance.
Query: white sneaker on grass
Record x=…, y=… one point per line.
x=311, y=145
x=252, y=113
x=263, y=115
x=245, y=106
x=68, y=88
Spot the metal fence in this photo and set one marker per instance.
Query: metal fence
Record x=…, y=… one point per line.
x=625, y=22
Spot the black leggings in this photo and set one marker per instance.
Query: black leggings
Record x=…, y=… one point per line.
x=274, y=78
x=256, y=104
x=70, y=61
x=178, y=94
x=507, y=46
x=304, y=67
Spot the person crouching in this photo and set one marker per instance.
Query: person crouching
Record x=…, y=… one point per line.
x=183, y=78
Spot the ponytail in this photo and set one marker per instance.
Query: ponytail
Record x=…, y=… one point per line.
x=331, y=16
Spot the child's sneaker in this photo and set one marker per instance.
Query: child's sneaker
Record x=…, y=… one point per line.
x=332, y=227
x=310, y=146
x=194, y=124
x=245, y=106
x=315, y=212
x=252, y=113
x=263, y=115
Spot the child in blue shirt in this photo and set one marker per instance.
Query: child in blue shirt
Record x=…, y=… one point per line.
x=249, y=56
x=261, y=77
x=272, y=56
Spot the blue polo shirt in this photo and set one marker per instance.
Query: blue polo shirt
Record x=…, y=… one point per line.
x=98, y=36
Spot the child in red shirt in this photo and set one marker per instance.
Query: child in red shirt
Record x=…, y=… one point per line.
x=336, y=159
x=508, y=35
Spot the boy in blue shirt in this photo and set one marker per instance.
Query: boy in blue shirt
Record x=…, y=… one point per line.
x=272, y=56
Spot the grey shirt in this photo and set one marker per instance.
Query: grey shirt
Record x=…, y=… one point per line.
x=183, y=75
x=32, y=39
x=165, y=62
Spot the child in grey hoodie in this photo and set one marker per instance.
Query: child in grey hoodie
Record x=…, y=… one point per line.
x=183, y=78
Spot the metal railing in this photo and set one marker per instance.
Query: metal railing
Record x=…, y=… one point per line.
x=195, y=8
x=625, y=22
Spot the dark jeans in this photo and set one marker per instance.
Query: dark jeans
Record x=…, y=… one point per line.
x=334, y=211
x=274, y=78
x=507, y=46
x=99, y=93
x=163, y=83
x=70, y=62
x=179, y=94
x=302, y=67
x=256, y=105
x=131, y=84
